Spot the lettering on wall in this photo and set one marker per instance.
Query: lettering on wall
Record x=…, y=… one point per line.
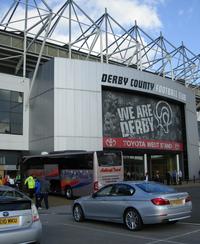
x=127, y=82
x=141, y=122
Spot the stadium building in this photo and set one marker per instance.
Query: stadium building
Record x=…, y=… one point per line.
x=96, y=91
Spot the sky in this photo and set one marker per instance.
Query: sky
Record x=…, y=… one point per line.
x=178, y=20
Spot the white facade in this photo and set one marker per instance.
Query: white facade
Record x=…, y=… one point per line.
x=66, y=105
x=16, y=142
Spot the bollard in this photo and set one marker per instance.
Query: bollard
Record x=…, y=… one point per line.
x=194, y=180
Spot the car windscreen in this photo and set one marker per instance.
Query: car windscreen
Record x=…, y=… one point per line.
x=155, y=188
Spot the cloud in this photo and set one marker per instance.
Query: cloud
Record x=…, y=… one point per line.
x=126, y=11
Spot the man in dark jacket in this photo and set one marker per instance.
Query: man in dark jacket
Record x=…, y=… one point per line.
x=44, y=191
x=37, y=193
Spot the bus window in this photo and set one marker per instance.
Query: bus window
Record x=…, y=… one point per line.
x=109, y=159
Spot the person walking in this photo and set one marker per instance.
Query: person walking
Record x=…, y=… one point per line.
x=45, y=188
x=37, y=193
x=30, y=183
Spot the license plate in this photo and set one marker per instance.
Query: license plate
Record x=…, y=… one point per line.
x=176, y=202
x=9, y=221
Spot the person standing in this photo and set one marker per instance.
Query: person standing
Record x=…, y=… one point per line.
x=174, y=177
x=168, y=176
x=180, y=177
x=45, y=188
x=146, y=177
x=157, y=177
x=30, y=183
x=37, y=193
x=1, y=181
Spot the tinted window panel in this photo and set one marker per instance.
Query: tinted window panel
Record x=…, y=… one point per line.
x=4, y=95
x=15, y=205
x=4, y=106
x=17, y=97
x=109, y=159
x=106, y=191
x=155, y=188
x=4, y=128
x=16, y=107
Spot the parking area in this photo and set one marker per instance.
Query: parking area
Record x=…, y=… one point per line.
x=59, y=227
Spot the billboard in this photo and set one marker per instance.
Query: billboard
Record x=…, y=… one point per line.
x=135, y=121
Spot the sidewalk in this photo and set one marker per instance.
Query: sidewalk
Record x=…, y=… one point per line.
x=190, y=183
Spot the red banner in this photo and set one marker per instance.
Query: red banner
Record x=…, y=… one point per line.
x=109, y=142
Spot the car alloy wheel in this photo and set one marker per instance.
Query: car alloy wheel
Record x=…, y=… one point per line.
x=132, y=220
x=78, y=213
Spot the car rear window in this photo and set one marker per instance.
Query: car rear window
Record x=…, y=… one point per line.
x=14, y=205
x=155, y=188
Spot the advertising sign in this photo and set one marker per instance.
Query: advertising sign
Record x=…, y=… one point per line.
x=135, y=121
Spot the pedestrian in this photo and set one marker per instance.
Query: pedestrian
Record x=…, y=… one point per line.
x=37, y=193
x=1, y=181
x=146, y=177
x=11, y=182
x=45, y=188
x=180, y=177
x=168, y=176
x=174, y=177
x=6, y=180
x=30, y=183
x=157, y=176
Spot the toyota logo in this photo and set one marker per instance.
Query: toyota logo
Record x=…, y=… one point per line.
x=5, y=214
x=110, y=142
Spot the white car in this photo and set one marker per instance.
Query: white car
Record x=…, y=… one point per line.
x=19, y=219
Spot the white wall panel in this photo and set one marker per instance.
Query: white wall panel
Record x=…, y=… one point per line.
x=77, y=116
x=76, y=74
x=78, y=111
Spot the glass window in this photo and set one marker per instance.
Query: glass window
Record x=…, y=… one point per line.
x=11, y=112
x=155, y=188
x=16, y=107
x=104, y=191
x=4, y=95
x=4, y=106
x=16, y=97
x=109, y=159
x=4, y=128
x=122, y=190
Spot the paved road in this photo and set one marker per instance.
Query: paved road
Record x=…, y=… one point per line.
x=60, y=228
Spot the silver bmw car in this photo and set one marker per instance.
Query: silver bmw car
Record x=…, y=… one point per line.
x=134, y=203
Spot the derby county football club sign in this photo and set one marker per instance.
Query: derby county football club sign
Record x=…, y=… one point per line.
x=134, y=121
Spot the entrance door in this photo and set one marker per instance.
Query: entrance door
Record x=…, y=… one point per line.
x=163, y=164
x=133, y=167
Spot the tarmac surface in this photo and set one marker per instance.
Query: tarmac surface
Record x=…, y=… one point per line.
x=59, y=204
x=59, y=226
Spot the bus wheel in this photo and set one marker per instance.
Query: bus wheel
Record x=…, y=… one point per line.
x=78, y=213
x=68, y=192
